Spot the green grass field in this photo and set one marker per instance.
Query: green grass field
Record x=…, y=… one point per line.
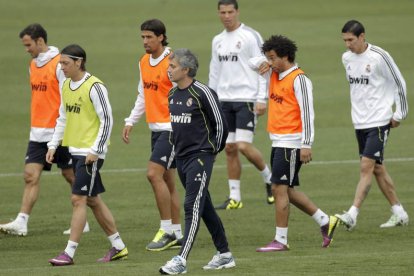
x=109, y=32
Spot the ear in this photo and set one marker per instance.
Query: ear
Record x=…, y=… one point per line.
x=40, y=41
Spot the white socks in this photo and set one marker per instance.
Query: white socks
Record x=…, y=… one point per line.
x=71, y=248
x=320, y=217
x=353, y=212
x=166, y=225
x=22, y=219
x=116, y=241
x=266, y=175
x=398, y=210
x=281, y=235
x=234, y=186
x=176, y=229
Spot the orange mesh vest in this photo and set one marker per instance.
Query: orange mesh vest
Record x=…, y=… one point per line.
x=156, y=87
x=45, y=94
x=284, y=111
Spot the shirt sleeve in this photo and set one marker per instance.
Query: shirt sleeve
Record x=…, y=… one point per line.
x=59, y=128
x=303, y=92
x=399, y=88
x=139, y=108
x=257, y=52
x=60, y=77
x=214, y=68
x=254, y=64
x=216, y=117
x=103, y=109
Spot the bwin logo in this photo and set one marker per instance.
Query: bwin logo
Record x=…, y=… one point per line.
x=42, y=86
x=184, y=118
x=73, y=108
x=230, y=57
x=361, y=80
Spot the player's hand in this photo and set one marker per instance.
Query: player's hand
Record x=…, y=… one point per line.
x=50, y=155
x=305, y=155
x=90, y=158
x=264, y=67
x=125, y=134
x=394, y=123
x=260, y=108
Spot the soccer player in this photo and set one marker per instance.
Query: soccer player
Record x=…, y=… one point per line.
x=46, y=80
x=291, y=129
x=376, y=84
x=84, y=125
x=152, y=99
x=242, y=94
x=199, y=134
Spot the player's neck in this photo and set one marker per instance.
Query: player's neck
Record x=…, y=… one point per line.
x=156, y=54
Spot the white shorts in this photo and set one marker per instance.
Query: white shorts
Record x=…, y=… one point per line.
x=241, y=135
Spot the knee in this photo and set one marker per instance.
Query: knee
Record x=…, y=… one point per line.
x=92, y=202
x=31, y=177
x=368, y=167
x=231, y=149
x=153, y=176
x=378, y=170
x=78, y=200
x=243, y=147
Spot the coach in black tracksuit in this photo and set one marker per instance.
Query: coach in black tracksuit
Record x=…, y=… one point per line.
x=199, y=134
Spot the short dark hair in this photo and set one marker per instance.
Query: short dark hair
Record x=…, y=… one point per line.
x=35, y=31
x=283, y=47
x=186, y=59
x=353, y=26
x=75, y=52
x=228, y=2
x=157, y=27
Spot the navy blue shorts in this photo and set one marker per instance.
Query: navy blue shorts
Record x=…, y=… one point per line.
x=285, y=165
x=88, y=180
x=162, y=149
x=239, y=115
x=36, y=153
x=372, y=141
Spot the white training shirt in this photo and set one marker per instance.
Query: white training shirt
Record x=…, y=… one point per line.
x=230, y=75
x=103, y=109
x=40, y=134
x=376, y=84
x=139, y=108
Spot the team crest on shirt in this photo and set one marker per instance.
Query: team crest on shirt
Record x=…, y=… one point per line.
x=368, y=68
x=348, y=68
x=238, y=45
x=80, y=99
x=189, y=102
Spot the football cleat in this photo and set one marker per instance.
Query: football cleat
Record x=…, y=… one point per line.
x=14, y=228
x=270, y=199
x=162, y=241
x=395, y=220
x=273, y=246
x=347, y=220
x=328, y=230
x=114, y=254
x=230, y=204
x=86, y=229
x=61, y=260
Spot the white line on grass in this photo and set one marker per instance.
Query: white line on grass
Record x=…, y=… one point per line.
x=133, y=170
